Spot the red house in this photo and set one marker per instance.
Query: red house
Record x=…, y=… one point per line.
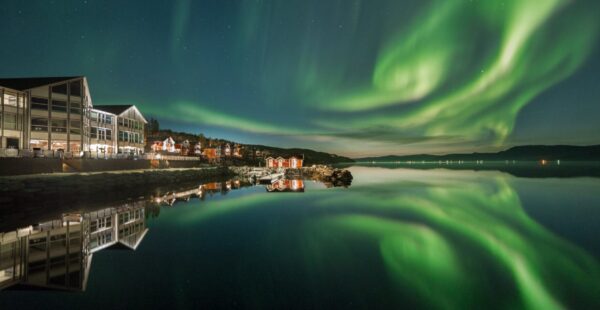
x=294, y=162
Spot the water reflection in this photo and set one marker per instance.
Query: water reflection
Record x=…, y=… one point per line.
x=396, y=238
x=286, y=185
x=519, y=169
x=201, y=191
x=57, y=254
x=458, y=240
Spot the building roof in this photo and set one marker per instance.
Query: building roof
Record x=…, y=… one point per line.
x=119, y=109
x=297, y=156
x=114, y=109
x=33, y=82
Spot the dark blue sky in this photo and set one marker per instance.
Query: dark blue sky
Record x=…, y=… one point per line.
x=351, y=77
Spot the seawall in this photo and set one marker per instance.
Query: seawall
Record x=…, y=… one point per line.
x=24, y=166
x=83, y=189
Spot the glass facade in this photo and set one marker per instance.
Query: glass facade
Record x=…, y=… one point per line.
x=59, y=116
x=14, y=120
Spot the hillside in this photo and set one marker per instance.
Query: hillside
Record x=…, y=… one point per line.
x=311, y=157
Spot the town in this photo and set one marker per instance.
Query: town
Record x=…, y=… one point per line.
x=54, y=117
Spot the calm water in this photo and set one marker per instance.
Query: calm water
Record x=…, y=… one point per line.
x=395, y=238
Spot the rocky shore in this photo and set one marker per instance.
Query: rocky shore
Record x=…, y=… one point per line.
x=329, y=175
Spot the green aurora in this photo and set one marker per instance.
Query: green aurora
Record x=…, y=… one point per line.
x=537, y=44
x=352, y=77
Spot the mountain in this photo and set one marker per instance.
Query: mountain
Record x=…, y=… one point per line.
x=521, y=153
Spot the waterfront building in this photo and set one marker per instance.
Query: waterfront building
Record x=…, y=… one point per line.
x=168, y=145
x=212, y=153
x=294, y=162
x=103, y=133
x=130, y=125
x=237, y=151
x=58, y=114
x=226, y=150
x=198, y=149
x=14, y=119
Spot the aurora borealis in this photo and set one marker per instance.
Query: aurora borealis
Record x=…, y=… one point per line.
x=351, y=77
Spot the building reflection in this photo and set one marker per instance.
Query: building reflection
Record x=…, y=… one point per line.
x=201, y=192
x=57, y=254
x=285, y=185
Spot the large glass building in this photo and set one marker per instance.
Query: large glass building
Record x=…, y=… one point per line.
x=129, y=127
x=14, y=118
x=58, y=114
x=55, y=114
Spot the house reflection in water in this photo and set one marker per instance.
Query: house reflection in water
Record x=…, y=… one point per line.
x=199, y=192
x=285, y=185
x=57, y=254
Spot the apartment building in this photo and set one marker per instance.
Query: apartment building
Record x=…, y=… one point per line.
x=129, y=127
x=14, y=117
x=55, y=114
x=57, y=118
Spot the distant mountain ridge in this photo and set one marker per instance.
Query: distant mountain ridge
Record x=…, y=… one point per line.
x=522, y=153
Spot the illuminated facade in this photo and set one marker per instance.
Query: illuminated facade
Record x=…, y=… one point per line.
x=103, y=129
x=14, y=119
x=294, y=162
x=55, y=114
x=58, y=114
x=129, y=127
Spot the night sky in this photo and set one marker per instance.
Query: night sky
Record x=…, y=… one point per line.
x=352, y=77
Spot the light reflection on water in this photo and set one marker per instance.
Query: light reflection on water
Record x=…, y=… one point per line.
x=402, y=237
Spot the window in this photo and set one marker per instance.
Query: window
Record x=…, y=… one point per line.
x=39, y=124
x=75, y=127
x=121, y=135
x=39, y=103
x=10, y=99
x=59, y=106
x=75, y=107
x=108, y=134
x=10, y=121
x=75, y=88
x=93, y=132
x=59, y=125
x=60, y=89
x=101, y=133
x=109, y=119
x=12, y=143
x=94, y=116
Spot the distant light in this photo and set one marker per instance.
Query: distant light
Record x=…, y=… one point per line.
x=558, y=162
x=543, y=161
